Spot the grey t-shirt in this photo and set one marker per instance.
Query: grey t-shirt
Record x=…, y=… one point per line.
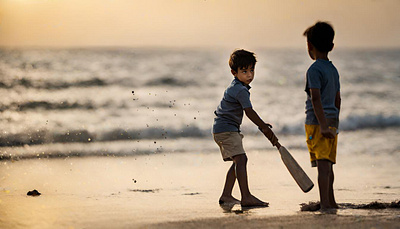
x=322, y=75
x=229, y=113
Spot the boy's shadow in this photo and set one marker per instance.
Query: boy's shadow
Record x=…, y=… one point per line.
x=237, y=208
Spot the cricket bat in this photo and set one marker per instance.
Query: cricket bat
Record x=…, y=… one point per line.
x=295, y=170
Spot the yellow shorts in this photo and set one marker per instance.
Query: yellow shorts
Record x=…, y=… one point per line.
x=230, y=144
x=320, y=148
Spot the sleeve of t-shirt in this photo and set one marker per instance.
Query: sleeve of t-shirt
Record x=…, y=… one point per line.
x=314, y=78
x=244, y=99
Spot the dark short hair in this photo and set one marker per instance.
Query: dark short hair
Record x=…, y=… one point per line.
x=321, y=36
x=241, y=59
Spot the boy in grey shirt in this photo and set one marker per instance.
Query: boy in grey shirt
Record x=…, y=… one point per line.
x=226, y=128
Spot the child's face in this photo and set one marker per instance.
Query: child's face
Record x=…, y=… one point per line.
x=311, y=49
x=245, y=75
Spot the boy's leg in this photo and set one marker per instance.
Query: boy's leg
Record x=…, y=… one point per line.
x=226, y=196
x=332, y=200
x=325, y=184
x=241, y=174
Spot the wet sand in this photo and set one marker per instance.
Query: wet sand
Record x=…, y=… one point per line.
x=175, y=190
x=292, y=221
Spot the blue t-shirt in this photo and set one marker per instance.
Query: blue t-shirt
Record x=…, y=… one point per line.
x=322, y=75
x=229, y=113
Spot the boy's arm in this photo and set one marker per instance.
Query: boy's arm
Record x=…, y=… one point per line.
x=265, y=128
x=338, y=100
x=319, y=112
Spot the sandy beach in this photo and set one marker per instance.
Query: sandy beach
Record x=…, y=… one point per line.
x=293, y=221
x=181, y=190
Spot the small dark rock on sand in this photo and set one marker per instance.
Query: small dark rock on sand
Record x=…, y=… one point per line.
x=33, y=193
x=145, y=190
x=191, y=193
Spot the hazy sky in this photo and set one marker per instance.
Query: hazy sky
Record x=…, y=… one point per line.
x=195, y=23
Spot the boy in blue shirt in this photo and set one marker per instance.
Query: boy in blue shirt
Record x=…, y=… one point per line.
x=322, y=109
x=226, y=128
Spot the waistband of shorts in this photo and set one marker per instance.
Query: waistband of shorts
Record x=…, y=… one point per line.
x=332, y=122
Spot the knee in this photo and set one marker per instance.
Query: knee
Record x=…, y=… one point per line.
x=323, y=172
x=324, y=168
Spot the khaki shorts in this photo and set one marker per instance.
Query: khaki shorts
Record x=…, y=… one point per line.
x=320, y=148
x=230, y=144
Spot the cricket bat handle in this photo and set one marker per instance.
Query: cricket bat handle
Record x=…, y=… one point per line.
x=277, y=145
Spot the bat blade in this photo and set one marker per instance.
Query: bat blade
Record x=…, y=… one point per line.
x=295, y=170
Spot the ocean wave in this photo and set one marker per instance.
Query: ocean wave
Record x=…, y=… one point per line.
x=169, y=81
x=43, y=137
x=35, y=137
x=52, y=85
x=45, y=105
x=108, y=149
x=85, y=136
x=356, y=122
x=350, y=123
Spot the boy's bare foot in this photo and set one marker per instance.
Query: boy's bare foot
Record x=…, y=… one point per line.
x=329, y=208
x=334, y=205
x=316, y=206
x=311, y=206
x=228, y=200
x=252, y=201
